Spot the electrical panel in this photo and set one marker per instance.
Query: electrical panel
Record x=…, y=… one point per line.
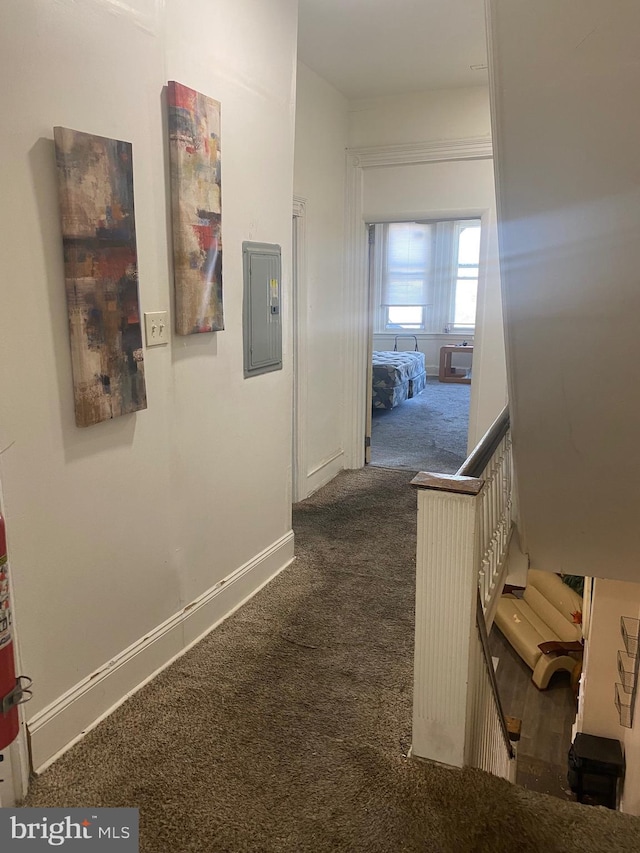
x=262, y=311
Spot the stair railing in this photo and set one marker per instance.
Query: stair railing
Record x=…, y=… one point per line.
x=489, y=746
x=492, y=462
x=464, y=528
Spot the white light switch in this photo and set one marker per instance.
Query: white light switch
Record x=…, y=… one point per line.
x=156, y=326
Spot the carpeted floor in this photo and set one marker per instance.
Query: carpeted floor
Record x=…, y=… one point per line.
x=425, y=433
x=287, y=728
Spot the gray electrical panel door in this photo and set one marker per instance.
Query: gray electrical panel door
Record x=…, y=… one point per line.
x=262, y=315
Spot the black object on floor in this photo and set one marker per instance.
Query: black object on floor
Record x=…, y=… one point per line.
x=595, y=766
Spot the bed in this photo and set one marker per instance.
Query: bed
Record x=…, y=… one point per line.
x=397, y=376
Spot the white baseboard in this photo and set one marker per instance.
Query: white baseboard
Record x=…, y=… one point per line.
x=66, y=720
x=325, y=472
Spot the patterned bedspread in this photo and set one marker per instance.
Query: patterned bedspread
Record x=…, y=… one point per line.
x=394, y=377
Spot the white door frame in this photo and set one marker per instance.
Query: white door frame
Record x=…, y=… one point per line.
x=357, y=300
x=299, y=348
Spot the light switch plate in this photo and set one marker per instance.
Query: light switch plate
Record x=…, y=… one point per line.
x=156, y=325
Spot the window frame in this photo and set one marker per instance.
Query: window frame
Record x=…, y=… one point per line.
x=397, y=327
x=438, y=314
x=452, y=326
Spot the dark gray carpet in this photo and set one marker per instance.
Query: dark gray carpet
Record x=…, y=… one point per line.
x=425, y=433
x=287, y=728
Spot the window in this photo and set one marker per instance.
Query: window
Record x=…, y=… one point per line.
x=426, y=275
x=466, y=287
x=406, y=272
x=405, y=317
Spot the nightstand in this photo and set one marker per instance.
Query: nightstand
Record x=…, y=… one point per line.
x=448, y=373
x=595, y=766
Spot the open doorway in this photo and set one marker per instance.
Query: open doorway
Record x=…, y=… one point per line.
x=423, y=285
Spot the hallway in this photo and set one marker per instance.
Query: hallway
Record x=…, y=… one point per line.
x=287, y=728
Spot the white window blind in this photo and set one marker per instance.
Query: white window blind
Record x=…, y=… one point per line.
x=408, y=263
x=426, y=275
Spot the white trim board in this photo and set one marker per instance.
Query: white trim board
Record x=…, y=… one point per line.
x=325, y=472
x=299, y=347
x=357, y=299
x=356, y=317
x=435, y=151
x=66, y=720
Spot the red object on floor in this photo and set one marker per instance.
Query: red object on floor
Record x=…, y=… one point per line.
x=9, y=722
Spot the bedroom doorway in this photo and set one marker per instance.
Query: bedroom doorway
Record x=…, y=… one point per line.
x=423, y=283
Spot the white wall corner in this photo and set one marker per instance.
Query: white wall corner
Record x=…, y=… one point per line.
x=299, y=331
x=325, y=472
x=356, y=317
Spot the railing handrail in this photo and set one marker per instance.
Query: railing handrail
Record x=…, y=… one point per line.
x=478, y=459
x=464, y=527
x=486, y=652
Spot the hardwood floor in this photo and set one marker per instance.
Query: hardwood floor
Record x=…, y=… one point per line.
x=547, y=717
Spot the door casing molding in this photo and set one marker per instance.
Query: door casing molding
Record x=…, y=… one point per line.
x=299, y=346
x=356, y=321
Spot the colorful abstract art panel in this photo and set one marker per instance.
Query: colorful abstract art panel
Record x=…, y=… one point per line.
x=194, y=144
x=95, y=178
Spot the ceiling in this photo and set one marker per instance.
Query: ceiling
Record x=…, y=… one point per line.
x=367, y=48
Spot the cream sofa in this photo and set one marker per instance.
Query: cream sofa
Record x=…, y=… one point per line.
x=548, y=614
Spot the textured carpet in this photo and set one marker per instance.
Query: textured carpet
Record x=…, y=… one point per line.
x=287, y=728
x=425, y=433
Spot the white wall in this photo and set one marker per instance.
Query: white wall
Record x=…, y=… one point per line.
x=598, y=714
x=319, y=178
x=116, y=528
x=569, y=179
x=420, y=116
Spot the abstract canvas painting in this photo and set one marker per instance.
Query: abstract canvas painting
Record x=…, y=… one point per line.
x=194, y=144
x=95, y=178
